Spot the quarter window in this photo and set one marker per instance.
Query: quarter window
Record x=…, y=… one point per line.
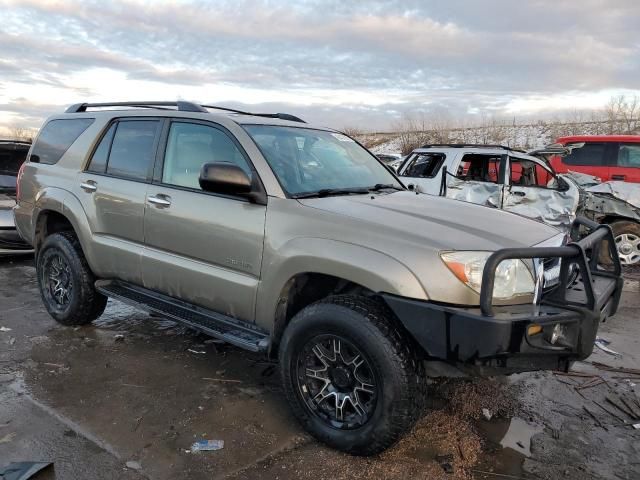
x=132, y=150
x=191, y=145
x=629, y=155
x=99, y=160
x=591, y=154
x=56, y=137
x=424, y=165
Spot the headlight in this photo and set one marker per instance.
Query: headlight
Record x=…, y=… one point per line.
x=513, y=277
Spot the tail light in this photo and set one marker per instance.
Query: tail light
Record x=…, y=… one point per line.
x=20, y=171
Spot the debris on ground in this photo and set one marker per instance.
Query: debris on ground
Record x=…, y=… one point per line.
x=487, y=414
x=133, y=465
x=199, y=352
x=118, y=337
x=445, y=462
x=602, y=343
x=207, y=445
x=5, y=329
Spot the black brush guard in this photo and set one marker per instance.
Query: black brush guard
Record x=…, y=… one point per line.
x=588, y=291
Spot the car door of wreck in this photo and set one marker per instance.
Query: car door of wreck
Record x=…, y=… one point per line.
x=518, y=184
x=534, y=191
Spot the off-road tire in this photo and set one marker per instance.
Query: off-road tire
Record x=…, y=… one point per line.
x=621, y=227
x=85, y=302
x=370, y=326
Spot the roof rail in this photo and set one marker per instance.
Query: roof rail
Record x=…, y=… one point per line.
x=473, y=145
x=181, y=106
x=281, y=116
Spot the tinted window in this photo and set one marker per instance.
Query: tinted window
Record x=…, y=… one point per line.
x=56, y=137
x=132, y=149
x=480, y=168
x=190, y=145
x=629, y=155
x=591, y=154
x=99, y=160
x=424, y=165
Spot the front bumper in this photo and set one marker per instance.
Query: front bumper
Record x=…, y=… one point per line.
x=500, y=337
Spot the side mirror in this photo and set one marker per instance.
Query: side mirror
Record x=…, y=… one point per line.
x=226, y=178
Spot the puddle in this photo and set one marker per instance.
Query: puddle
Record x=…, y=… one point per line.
x=507, y=444
x=119, y=316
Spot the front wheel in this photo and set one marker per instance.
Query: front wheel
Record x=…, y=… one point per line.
x=350, y=375
x=627, y=238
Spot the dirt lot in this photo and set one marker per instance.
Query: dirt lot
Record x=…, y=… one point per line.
x=133, y=388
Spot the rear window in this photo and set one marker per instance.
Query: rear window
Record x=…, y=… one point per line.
x=591, y=154
x=56, y=137
x=424, y=165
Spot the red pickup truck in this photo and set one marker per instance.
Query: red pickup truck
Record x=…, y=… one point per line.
x=609, y=157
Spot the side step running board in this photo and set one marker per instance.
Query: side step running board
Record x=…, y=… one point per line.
x=235, y=332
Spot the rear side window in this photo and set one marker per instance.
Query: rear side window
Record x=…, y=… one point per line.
x=132, y=149
x=56, y=137
x=629, y=155
x=480, y=167
x=591, y=154
x=424, y=165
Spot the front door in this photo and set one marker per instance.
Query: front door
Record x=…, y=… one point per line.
x=202, y=248
x=533, y=191
x=112, y=191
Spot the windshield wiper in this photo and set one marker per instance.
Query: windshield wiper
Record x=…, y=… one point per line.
x=384, y=186
x=327, y=192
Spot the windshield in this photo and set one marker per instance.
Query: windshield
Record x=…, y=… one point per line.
x=310, y=161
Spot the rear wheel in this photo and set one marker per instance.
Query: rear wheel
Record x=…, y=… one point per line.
x=66, y=282
x=627, y=238
x=350, y=375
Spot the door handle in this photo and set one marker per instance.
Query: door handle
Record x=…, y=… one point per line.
x=89, y=186
x=519, y=193
x=160, y=200
x=618, y=177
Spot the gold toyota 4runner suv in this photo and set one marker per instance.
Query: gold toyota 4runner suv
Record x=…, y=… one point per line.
x=293, y=240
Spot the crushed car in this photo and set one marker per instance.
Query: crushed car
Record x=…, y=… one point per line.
x=13, y=154
x=526, y=184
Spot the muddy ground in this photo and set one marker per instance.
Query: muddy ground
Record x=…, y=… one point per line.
x=90, y=401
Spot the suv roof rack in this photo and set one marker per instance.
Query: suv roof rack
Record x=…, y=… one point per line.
x=474, y=145
x=180, y=105
x=20, y=142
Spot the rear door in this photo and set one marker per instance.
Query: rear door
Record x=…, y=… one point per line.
x=478, y=178
x=112, y=190
x=593, y=158
x=201, y=247
x=626, y=164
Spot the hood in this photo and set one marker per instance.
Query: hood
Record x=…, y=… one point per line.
x=435, y=222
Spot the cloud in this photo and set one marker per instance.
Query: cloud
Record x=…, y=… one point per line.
x=361, y=59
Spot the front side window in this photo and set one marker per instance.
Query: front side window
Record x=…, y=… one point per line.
x=424, y=165
x=591, y=154
x=132, y=149
x=191, y=145
x=629, y=155
x=56, y=137
x=308, y=161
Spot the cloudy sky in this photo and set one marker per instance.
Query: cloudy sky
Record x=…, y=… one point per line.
x=339, y=63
